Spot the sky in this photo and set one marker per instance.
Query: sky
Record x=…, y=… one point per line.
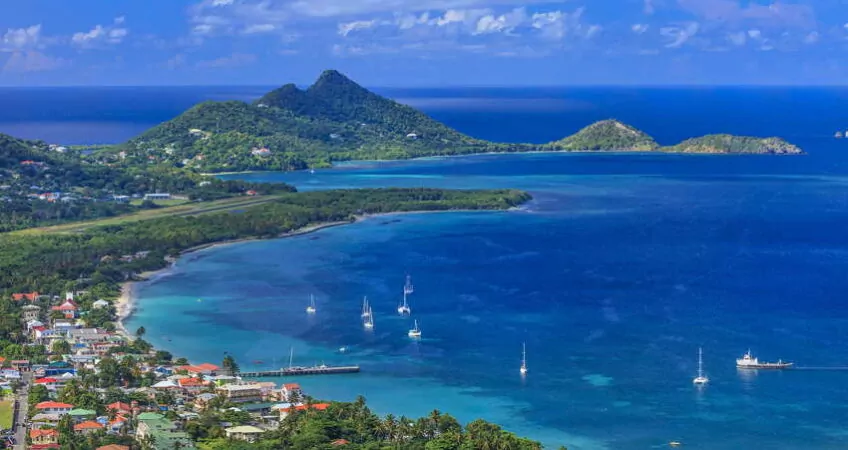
x=421, y=43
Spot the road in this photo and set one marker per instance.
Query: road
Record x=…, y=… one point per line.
x=20, y=415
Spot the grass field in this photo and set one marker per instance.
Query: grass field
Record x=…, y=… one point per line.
x=169, y=202
x=186, y=209
x=6, y=414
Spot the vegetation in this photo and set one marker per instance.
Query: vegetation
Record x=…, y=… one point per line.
x=6, y=415
x=608, y=135
x=355, y=423
x=726, y=143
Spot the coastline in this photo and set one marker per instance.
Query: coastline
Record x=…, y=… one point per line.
x=125, y=305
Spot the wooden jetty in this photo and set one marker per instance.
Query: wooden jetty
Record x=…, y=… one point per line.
x=293, y=371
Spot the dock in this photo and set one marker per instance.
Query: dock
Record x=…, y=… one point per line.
x=294, y=371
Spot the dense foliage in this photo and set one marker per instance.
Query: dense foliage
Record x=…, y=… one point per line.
x=608, y=135
x=362, y=429
x=726, y=143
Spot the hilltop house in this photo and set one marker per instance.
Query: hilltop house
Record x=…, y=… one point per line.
x=50, y=407
x=68, y=308
x=241, y=393
x=44, y=438
x=244, y=433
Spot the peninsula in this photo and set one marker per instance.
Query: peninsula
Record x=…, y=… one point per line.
x=336, y=119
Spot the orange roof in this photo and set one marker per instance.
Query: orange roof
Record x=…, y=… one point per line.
x=291, y=386
x=87, y=425
x=2, y=360
x=189, y=382
x=31, y=296
x=339, y=442
x=45, y=405
x=207, y=366
x=34, y=433
x=318, y=406
x=119, y=406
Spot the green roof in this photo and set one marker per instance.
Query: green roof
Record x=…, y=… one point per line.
x=150, y=416
x=82, y=412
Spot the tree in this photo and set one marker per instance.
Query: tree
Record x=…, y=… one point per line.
x=139, y=333
x=60, y=347
x=229, y=365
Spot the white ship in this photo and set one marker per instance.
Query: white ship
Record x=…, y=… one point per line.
x=415, y=332
x=366, y=310
x=408, y=288
x=749, y=362
x=311, y=308
x=523, y=368
x=404, y=308
x=369, y=320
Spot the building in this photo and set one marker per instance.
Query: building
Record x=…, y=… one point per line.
x=68, y=308
x=89, y=426
x=119, y=408
x=44, y=438
x=290, y=392
x=166, y=435
x=244, y=433
x=202, y=369
x=31, y=313
x=285, y=411
x=157, y=196
x=100, y=304
x=241, y=393
x=50, y=407
x=192, y=384
x=29, y=296
x=201, y=402
x=121, y=198
x=80, y=415
x=260, y=151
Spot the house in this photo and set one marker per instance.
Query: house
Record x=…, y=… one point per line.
x=21, y=365
x=284, y=412
x=241, y=393
x=157, y=196
x=87, y=335
x=339, y=442
x=49, y=420
x=260, y=151
x=30, y=296
x=31, y=313
x=202, y=400
x=100, y=304
x=203, y=369
x=290, y=392
x=89, y=426
x=80, y=415
x=119, y=408
x=165, y=384
x=192, y=384
x=166, y=435
x=68, y=308
x=251, y=193
x=115, y=425
x=44, y=438
x=33, y=324
x=10, y=374
x=244, y=433
x=49, y=382
x=50, y=407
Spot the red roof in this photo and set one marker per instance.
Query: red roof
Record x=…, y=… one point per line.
x=191, y=382
x=46, y=380
x=69, y=305
x=31, y=296
x=291, y=386
x=35, y=433
x=339, y=442
x=119, y=406
x=53, y=405
x=42, y=328
x=207, y=366
x=87, y=425
x=318, y=406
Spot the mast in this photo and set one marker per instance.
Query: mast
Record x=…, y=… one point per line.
x=407, y=288
x=291, y=356
x=700, y=362
x=524, y=356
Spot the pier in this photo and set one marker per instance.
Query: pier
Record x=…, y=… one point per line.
x=293, y=371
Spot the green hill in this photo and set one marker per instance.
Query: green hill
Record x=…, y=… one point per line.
x=610, y=135
x=726, y=143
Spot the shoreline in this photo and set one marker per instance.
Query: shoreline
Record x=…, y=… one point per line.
x=125, y=305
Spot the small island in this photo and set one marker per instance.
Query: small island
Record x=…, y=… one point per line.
x=336, y=119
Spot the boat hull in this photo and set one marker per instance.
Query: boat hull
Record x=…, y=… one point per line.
x=767, y=366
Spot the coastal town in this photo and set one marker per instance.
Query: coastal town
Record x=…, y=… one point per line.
x=92, y=385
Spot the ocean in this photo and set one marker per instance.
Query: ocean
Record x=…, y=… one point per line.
x=614, y=275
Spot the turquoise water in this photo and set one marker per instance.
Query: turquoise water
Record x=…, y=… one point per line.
x=614, y=275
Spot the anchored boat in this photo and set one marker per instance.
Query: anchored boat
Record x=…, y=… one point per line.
x=747, y=361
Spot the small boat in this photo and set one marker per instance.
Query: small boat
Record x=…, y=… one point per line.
x=674, y=444
x=749, y=362
x=415, y=332
x=258, y=362
x=366, y=310
x=523, y=368
x=838, y=135
x=369, y=320
x=701, y=379
x=311, y=308
x=342, y=349
x=404, y=307
x=407, y=287
x=311, y=170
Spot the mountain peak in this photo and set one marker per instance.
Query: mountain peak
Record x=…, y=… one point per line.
x=334, y=79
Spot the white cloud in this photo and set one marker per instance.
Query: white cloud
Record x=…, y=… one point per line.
x=640, y=28
x=100, y=35
x=21, y=38
x=31, y=61
x=738, y=38
x=234, y=60
x=679, y=35
x=504, y=23
x=755, y=34
x=347, y=28
x=259, y=28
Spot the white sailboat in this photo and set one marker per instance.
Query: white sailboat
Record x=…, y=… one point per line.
x=415, y=332
x=404, y=307
x=369, y=320
x=523, y=368
x=366, y=310
x=701, y=378
x=311, y=308
x=407, y=288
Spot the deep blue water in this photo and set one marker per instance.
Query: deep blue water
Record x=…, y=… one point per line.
x=614, y=275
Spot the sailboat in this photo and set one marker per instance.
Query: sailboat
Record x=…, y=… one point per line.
x=523, y=368
x=404, y=307
x=366, y=310
x=311, y=308
x=701, y=379
x=369, y=320
x=407, y=288
x=415, y=332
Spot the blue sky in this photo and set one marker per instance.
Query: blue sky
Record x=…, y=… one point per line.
x=423, y=42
